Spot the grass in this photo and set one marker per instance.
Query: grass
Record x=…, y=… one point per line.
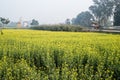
x=42, y=55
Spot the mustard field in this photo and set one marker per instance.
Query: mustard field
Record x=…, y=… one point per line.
x=46, y=55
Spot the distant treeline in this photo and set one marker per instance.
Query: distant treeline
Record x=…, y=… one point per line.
x=73, y=28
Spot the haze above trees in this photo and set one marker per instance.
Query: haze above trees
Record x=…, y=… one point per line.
x=103, y=12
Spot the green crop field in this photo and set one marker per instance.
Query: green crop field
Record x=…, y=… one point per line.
x=47, y=55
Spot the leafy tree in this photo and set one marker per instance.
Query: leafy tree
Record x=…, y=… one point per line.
x=83, y=19
x=73, y=20
x=34, y=22
x=117, y=13
x=67, y=21
x=4, y=21
x=102, y=10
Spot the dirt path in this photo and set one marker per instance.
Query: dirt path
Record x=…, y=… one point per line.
x=116, y=31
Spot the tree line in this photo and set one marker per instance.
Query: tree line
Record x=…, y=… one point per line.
x=61, y=27
x=101, y=12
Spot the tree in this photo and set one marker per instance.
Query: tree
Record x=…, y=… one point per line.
x=67, y=21
x=117, y=16
x=102, y=10
x=34, y=22
x=117, y=13
x=83, y=19
x=73, y=20
x=4, y=21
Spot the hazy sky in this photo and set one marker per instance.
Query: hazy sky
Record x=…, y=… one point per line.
x=45, y=11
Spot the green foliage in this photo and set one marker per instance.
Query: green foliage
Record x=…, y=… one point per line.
x=1, y=32
x=117, y=16
x=4, y=21
x=17, y=71
x=73, y=28
x=46, y=55
x=34, y=22
x=67, y=21
x=102, y=11
x=83, y=19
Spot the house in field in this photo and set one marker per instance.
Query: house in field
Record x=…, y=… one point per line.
x=23, y=23
x=19, y=25
x=95, y=25
x=26, y=24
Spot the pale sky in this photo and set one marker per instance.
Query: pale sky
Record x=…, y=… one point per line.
x=45, y=11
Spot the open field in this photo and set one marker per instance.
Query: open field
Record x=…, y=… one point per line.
x=46, y=55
